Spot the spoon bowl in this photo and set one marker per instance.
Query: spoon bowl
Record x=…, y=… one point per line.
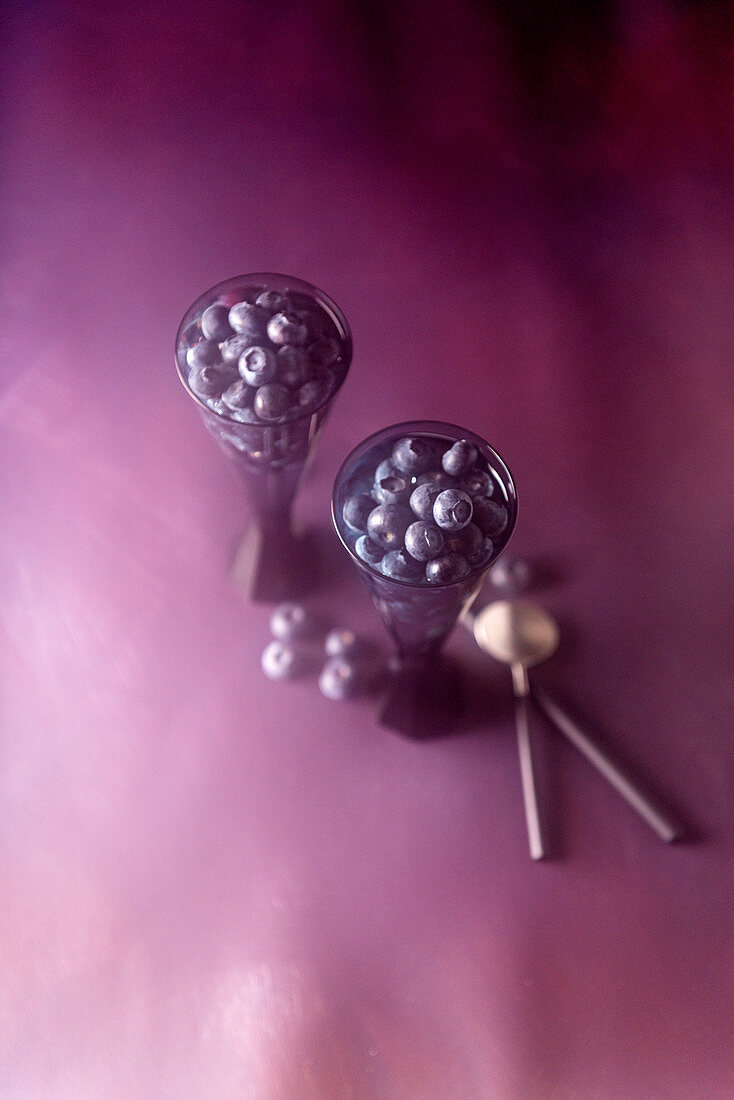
x=516, y=632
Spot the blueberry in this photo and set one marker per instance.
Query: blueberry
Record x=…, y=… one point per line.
x=247, y=319
x=411, y=456
x=286, y=328
x=477, y=483
x=452, y=509
x=290, y=621
x=424, y=541
x=447, y=569
x=341, y=642
x=400, y=566
x=511, y=574
x=238, y=395
x=436, y=477
x=294, y=368
x=387, y=524
x=392, y=489
x=460, y=458
x=272, y=301
x=214, y=322
x=339, y=679
x=245, y=416
x=325, y=351
x=467, y=541
x=314, y=392
x=210, y=381
x=368, y=550
x=271, y=401
x=423, y=498
x=203, y=354
x=386, y=469
x=490, y=516
x=232, y=348
x=257, y=365
x=356, y=510
x=280, y=661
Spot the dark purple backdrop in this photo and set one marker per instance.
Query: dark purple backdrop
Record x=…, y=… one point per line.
x=214, y=886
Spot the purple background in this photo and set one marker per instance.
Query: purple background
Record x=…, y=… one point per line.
x=217, y=887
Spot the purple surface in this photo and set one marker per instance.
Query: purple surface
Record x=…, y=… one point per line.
x=217, y=886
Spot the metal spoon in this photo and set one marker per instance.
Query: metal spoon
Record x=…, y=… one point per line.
x=522, y=634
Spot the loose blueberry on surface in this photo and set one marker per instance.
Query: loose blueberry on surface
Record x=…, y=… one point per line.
x=294, y=368
x=232, y=348
x=400, y=566
x=271, y=401
x=452, y=509
x=424, y=541
x=342, y=642
x=392, y=489
x=423, y=498
x=272, y=301
x=387, y=524
x=356, y=511
x=368, y=550
x=286, y=328
x=490, y=516
x=281, y=661
x=210, y=381
x=339, y=679
x=247, y=319
x=257, y=365
x=411, y=456
x=290, y=621
x=238, y=395
x=215, y=324
x=324, y=351
x=460, y=458
x=203, y=354
x=511, y=575
x=447, y=569
x=477, y=483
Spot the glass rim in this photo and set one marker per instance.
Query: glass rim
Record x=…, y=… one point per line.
x=263, y=276
x=427, y=426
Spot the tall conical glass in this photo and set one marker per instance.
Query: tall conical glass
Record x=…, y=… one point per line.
x=271, y=451
x=423, y=690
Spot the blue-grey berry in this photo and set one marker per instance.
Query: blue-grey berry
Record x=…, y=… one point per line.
x=324, y=351
x=490, y=516
x=356, y=511
x=424, y=541
x=339, y=679
x=398, y=565
x=423, y=498
x=341, y=642
x=411, y=455
x=460, y=458
x=392, y=489
x=387, y=524
x=238, y=395
x=258, y=365
x=203, y=354
x=368, y=551
x=511, y=575
x=294, y=367
x=286, y=328
x=477, y=483
x=290, y=621
x=452, y=509
x=272, y=301
x=210, y=381
x=271, y=401
x=232, y=348
x=214, y=322
x=281, y=661
x=447, y=569
x=247, y=319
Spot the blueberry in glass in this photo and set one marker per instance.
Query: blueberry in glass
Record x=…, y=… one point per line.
x=424, y=557
x=263, y=356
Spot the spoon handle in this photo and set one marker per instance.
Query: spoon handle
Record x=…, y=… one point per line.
x=536, y=840
x=663, y=824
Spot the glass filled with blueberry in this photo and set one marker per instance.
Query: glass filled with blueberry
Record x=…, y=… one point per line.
x=263, y=357
x=424, y=509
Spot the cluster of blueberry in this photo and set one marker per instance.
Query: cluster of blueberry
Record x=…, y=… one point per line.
x=423, y=511
x=263, y=357
x=349, y=665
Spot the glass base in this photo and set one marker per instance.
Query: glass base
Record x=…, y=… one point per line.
x=425, y=698
x=272, y=562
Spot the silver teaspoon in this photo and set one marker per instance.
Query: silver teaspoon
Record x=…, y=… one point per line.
x=522, y=634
